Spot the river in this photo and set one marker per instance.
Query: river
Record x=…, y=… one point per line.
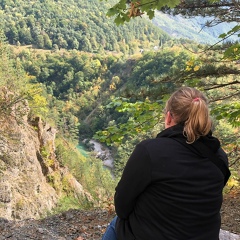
x=101, y=152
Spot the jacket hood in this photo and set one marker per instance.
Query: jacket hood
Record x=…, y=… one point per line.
x=176, y=131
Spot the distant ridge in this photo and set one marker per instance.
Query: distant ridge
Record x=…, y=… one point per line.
x=191, y=28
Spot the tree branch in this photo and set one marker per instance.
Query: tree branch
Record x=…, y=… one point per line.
x=201, y=6
x=226, y=97
x=221, y=85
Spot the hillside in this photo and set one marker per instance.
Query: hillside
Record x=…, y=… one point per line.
x=69, y=62
x=191, y=28
x=83, y=25
x=32, y=180
x=70, y=24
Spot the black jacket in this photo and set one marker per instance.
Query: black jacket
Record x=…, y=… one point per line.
x=169, y=191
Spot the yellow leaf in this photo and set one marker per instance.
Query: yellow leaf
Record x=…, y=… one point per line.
x=112, y=86
x=190, y=63
x=196, y=68
x=232, y=183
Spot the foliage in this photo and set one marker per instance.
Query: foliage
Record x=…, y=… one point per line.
x=229, y=136
x=16, y=86
x=215, y=12
x=23, y=86
x=81, y=91
x=230, y=111
x=69, y=24
x=143, y=116
x=90, y=172
x=78, y=85
x=224, y=11
x=37, y=101
x=125, y=10
x=70, y=202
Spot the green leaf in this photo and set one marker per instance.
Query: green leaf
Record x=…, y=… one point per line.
x=231, y=112
x=143, y=115
x=125, y=17
x=112, y=12
x=150, y=14
x=234, y=29
x=121, y=4
x=119, y=20
x=145, y=6
x=223, y=35
x=172, y=3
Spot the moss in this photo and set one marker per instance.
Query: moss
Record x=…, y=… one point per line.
x=66, y=183
x=3, y=166
x=55, y=180
x=20, y=204
x=45, y=153
x=7, y=159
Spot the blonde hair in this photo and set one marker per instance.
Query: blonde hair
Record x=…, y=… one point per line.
x=189, y=106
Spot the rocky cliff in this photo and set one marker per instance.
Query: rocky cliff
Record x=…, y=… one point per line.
x=31, y=178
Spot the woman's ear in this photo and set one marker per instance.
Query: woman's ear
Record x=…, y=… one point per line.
x=168, y=118
x=169, y=121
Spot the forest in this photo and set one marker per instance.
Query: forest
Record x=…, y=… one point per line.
x=81, y=25
x=88, y=78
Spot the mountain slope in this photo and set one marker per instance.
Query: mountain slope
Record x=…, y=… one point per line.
x=81, y=25
x=191, y=28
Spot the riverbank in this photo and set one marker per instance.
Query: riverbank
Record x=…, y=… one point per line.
x=100, y=151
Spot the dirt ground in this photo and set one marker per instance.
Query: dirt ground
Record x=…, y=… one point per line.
x=231, y=212
x=90, y=225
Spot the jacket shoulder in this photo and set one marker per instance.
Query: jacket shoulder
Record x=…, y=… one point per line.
x=158, y=140
x=222, y=155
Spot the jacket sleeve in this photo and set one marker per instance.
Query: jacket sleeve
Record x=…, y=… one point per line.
x=135, y=178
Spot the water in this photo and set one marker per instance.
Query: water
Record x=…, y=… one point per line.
x=82, y=150
x=101, y=152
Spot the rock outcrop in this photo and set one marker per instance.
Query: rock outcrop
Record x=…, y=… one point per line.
x=28, y=164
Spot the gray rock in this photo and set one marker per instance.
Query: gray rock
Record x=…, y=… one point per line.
x=225, y=235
